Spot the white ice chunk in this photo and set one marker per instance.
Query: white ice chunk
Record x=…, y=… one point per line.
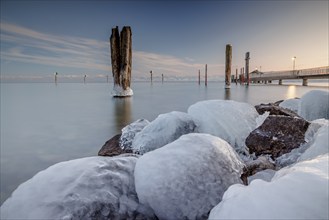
x=291, y=104
x=129, y=132
x=265, y=175
x=118, y=91
x=230, y=120
x=314, y=105
x=261, y=118
x=163, y=130
x=319, y=146
x=186, y=178
x=87, y=188
x=297, y=192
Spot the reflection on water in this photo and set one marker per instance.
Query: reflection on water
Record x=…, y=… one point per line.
x=122, y=112
x=291, y=92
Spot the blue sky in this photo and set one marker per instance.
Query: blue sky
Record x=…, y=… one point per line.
x=175, y=38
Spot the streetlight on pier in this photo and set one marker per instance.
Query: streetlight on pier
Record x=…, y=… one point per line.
x=293, y=65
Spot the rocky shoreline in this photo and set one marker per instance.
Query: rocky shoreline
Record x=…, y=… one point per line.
x=196, y=165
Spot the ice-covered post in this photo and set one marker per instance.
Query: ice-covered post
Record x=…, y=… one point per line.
x=55, y=74
x=84, y=78
x=162, y=77
x=228, y=65
x=247, y=67
x=236, y=76
x=151, y=76
x=206, y=76
x=121, y=58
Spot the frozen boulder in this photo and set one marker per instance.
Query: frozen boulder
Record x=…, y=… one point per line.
x=129, y=132
x=291, y=104
x=87, y=188
x=112, y=147
x=314, y=105
x=278, y=135
x=229, y=120
x=297, y=192
x=186, y=178
x=163, y=130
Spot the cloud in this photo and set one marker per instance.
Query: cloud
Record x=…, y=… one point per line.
x=24, y=45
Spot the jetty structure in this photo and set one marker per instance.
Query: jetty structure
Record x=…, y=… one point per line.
x=121, y=59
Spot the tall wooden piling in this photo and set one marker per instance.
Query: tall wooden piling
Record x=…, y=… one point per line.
x=199, y=77
x=247, y=67
x=228, y=65
x=206, y=77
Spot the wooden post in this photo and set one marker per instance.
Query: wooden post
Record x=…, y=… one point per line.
x=107, y=78
x=162, y=77
x=56, y=77
x=84, y=78
x=151, y=76
x=126, y=57
x=236, y=76
x=115, y=55
x=199, y=77
x=206, y=77
x=247, y=67
x=304, y=81
x=228, y=65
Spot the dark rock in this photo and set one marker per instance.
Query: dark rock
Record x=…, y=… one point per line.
x=278, y=135
x=274, y=109
x=112, y=147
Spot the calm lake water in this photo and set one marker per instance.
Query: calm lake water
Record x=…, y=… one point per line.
x=44, y=123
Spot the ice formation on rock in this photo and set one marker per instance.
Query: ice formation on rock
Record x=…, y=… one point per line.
x=291, y=104
x=297, y=192
x=163, y=130
x=186, y=178
x=87, y=188
x=314, y=105
x=229, y=120
x=129, y=132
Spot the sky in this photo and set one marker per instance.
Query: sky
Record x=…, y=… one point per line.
x=174, y=38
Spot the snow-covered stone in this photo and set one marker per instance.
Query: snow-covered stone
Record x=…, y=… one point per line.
x=297, y=192
x=163, y=130
x=129, y=132
x=87, y=188
x=229, y=120
x=314, y=105
x=186, y=178
x=291, y=104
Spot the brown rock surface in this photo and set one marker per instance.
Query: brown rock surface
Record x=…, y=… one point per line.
x=277, y=135
x=275, y=110
x=112, y=147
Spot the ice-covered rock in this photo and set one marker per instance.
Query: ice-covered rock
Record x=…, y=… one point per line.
x=129, y=132
x=265, y=175
x=87, y=188
x=229, y=120
x=256, y=166
x=314, y=105
x=319, y=146
x=186, y=178
x=163, y=130
x=278, y=135
x=291, y=104
x=297, y=192
x=275, y=110
x=292, y=156
x=112, y=147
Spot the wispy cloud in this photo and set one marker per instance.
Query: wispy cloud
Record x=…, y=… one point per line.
x=28, y=46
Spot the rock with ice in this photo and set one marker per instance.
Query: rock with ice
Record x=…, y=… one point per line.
x=291, y=104
x=129, y=132
x=87, y=188
x=314, y=105
x=118, y=91
x=265, y=175
x=297, y=192
x=229, y=120
x=319, y=146
x=163, y=130
x=310, y=137
x=186, y=178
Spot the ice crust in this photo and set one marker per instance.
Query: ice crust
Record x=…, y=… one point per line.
x=297, y=192
x=87, y=188
x=229, y=120
x=118, y=91
x=291, y=104
x=314, y=105
x=163, y=130
x=129, y=132
x=186, y=178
